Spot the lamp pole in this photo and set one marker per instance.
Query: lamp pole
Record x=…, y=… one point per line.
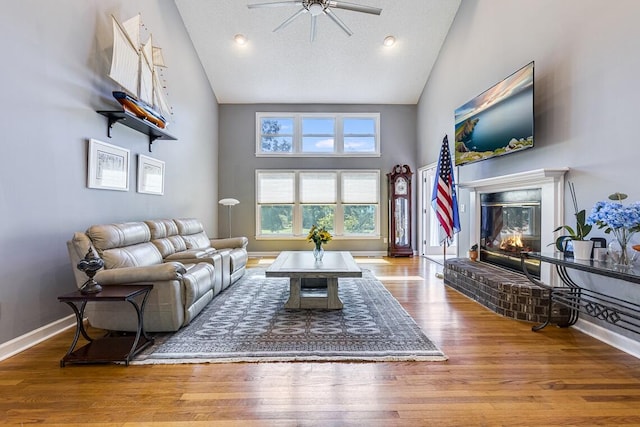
x=229, y=203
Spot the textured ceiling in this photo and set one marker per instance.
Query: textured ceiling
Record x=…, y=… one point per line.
x=286, y=67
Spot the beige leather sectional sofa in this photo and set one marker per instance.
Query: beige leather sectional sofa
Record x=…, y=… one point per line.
x=186, y=268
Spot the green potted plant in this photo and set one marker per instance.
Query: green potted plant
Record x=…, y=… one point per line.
x=473, y=252
x=581, y=246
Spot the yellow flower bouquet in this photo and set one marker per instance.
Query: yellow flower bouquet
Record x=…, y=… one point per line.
x=318, y=235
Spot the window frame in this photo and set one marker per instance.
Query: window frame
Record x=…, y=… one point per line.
x=297, y=227
x=339, y=136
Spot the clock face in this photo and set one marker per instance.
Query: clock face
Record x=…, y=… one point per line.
x=401, y=186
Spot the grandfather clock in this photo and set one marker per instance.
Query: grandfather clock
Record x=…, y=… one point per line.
x=400, y=211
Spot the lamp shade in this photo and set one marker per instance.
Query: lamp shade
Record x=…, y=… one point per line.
x=228, y=202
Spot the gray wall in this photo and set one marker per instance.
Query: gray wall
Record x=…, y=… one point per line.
x=237, y=170
x=587, y=64
x=54, y=74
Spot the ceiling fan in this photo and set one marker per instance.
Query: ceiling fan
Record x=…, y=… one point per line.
x=316, y=8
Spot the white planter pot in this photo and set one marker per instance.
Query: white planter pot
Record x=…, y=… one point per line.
x=582, y=249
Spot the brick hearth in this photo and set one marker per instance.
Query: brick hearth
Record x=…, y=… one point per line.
x=507, y=293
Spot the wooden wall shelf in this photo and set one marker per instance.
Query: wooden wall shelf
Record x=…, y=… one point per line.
x=133, y=122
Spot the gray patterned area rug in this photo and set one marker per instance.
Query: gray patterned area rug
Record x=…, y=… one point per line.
x=248, y=323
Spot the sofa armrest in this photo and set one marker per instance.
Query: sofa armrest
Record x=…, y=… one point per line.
x=190, y=254
x=151, y=273
x=230, y=243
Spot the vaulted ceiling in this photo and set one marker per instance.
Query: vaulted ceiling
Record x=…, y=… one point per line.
x=286, y=67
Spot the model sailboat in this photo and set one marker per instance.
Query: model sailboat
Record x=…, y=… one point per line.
x=134, y=67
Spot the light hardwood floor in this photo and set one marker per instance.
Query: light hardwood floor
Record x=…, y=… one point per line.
x=498, y=373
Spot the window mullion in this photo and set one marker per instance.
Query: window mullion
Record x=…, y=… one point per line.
x=297, y=207
x=339, y=218
x=339, y=134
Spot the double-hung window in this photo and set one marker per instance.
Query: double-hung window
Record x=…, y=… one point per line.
x=345, y=202
x=318, y=134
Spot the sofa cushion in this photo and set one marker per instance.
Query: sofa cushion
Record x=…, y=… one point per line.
x=192, y=231
x=110, y=236
x=161, y=228
x=140, y=255
x=188, y=226
x=165, y=237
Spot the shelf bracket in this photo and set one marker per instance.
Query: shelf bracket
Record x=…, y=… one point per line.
x=112, y=121
x=152, y=139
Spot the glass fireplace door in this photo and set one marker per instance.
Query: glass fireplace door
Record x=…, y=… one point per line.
x=510, y=224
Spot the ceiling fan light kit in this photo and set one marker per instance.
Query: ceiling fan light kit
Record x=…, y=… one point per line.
x=317, y=8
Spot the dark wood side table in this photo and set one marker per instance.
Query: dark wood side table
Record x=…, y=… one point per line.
x=109, y=348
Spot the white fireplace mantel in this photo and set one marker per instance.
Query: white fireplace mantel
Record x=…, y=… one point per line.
x=528, y=179
x=551, y=183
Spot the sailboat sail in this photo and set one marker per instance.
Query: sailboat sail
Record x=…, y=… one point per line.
x=158, y=59
x=146, y=73
x=133, y=66
x=125, y=57
x=159, y=97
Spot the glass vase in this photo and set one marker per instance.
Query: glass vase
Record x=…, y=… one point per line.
x=318, y=252
x=619, y=250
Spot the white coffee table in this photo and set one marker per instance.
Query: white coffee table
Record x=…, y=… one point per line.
x=308, y=278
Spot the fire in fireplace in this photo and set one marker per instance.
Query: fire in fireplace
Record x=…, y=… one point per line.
x=510, y=223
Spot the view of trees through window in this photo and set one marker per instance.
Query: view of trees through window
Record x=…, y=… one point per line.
x=317, y=134
x=276, y=219
x=277, y=135
x=345, y=202
x=320, y=215
x=360, y=219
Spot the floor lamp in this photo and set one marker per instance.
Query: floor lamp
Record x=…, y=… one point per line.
x=228, y=203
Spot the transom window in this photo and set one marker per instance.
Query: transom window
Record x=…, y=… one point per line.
x=289, y=202
x=317, y=134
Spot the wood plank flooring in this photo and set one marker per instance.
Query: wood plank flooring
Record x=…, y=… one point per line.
x=498, y=373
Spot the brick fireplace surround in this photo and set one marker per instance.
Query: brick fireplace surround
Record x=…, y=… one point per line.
x=503, y=291
x=507, y=293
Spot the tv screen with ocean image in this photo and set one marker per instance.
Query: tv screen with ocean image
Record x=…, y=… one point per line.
x=499, y=121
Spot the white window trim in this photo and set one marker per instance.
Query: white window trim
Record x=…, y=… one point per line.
x=297, y=134
x=298, y=232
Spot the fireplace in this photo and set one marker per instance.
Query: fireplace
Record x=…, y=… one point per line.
x=509, y=224
x=546, y=217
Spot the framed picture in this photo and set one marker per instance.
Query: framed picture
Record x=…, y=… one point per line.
x=150, y=175
x=108, y=166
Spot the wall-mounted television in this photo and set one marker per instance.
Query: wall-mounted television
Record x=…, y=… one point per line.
x=499, y=121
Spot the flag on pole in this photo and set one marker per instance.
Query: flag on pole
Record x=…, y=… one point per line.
x=443, y=198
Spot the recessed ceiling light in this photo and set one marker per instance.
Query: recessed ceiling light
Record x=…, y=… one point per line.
x=389, y=41
x=240, y=39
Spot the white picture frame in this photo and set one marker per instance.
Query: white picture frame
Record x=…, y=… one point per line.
x=108, y=166
x=150, y=175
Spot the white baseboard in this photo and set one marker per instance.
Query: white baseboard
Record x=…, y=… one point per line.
x=28, y=340
x=614, y=339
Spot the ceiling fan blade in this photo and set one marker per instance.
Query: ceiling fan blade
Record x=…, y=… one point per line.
x=338, y=21
x=355, y=7
x=313, y=27
x=290, y=20
x=275, y=4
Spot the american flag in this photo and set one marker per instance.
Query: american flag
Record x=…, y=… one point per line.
x=443, y=199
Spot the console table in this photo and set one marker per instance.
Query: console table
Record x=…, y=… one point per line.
x=578, y=299
x=109, y=348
